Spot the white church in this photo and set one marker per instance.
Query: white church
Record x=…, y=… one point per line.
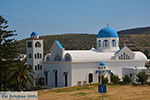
x=62, y=68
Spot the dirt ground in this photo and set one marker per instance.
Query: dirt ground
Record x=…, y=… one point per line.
x=90, y=92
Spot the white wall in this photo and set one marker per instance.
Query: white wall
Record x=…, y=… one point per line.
x=80, y=72
x=61, y=67
x=116, y=66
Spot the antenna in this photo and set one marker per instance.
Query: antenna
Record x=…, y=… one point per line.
x=107, y=25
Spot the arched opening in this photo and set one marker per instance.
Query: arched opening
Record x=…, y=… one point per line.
x=66, y=78
x=105, y=43
x=90, y=77
x=114, y=43
x=57, y=58
x=67, y=57
x=55, y=74
x=38, y=55
x=47, y=58
x=35, y=56
x=37, y=44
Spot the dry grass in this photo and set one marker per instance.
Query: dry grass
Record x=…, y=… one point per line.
x=89, y=92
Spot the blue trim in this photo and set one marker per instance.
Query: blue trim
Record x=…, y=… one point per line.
x=120, y=50
x=102, y=64
x=100, y=72
x=58, y=43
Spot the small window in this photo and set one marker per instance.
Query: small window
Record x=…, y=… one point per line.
x=37, y=44
x=38, y=67
x=29, y=44
x=35, y=56
x=105, y=43
x=114, y=43
x=35, y=67
x=130, y=75
x=40, y=55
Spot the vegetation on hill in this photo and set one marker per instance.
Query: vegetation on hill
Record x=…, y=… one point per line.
x=136, y=42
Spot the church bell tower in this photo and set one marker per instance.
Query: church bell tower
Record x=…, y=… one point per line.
x=34, y=52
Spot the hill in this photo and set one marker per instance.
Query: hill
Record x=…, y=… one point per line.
x=142, y=30
x=137, y=41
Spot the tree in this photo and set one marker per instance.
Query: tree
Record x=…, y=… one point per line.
x=14, y=74
x=127, y=79
x=8, y=52
x=22, y=76
x=142, y=77
x=114, y=78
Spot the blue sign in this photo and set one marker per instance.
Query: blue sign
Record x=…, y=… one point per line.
x=102, y=89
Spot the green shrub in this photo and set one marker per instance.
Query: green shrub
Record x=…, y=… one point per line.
x=127, y=79
x=142, y=77
x=115, y=79
x=104, y=80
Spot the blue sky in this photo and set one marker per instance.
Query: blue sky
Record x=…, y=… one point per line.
x=73, y=16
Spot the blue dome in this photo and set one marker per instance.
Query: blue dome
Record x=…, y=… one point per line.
x=107, y=32
x=34, y=34
x=102, y=64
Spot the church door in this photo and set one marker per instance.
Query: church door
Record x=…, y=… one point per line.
x=90, y=77
x=66, y=81
x=56, y=79
x=99, y=79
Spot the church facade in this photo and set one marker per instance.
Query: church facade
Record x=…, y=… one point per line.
x=62, y=68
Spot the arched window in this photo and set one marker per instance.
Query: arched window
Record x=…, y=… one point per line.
x=114, y=43
x=35, y=56
x=47, y=58
x=30, y=55
x=105, y=43
x=57, y=58
x=90, y=77
x=35, y=67
x=99, y=43
x=67, y=57
x=38, y=55
x=124, y=56
x=37, y=44
x=38, y=66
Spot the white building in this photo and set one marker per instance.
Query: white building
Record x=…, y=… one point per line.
x=62, y=67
